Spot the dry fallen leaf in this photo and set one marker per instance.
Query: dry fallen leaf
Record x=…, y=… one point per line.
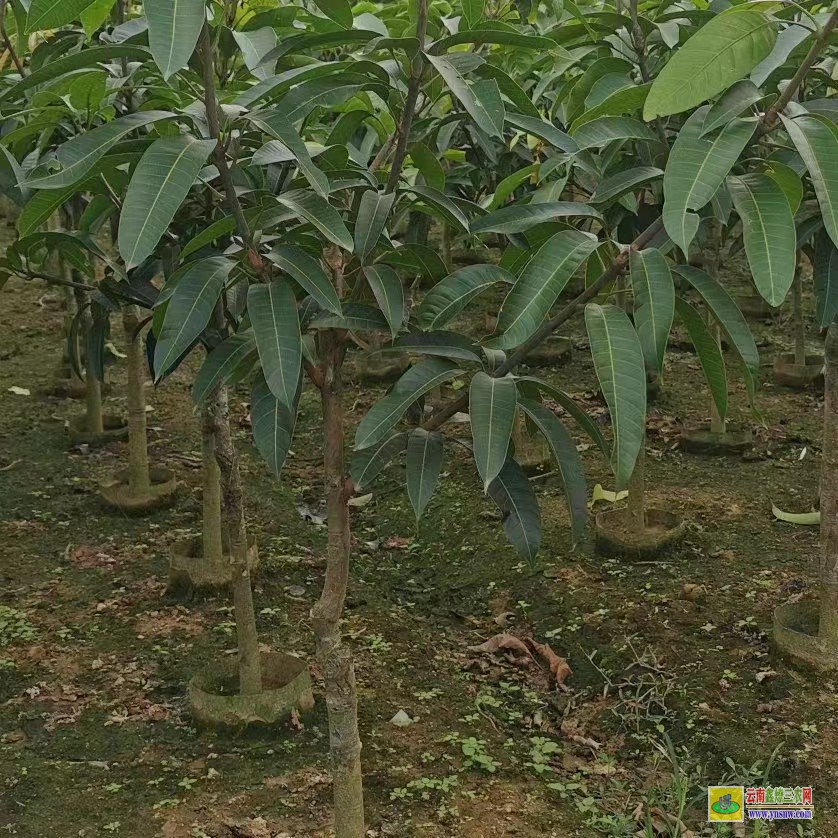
x=559, y=667
x=502, y=641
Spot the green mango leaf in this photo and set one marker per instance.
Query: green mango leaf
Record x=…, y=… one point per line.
x=41, y=206
x=722, y=52
x=622, y=182
x=607, y=129
x=366, y=465
x=518, y=218
x=197, y=287
x=473, y=11
x=443, y=207
x=79, y=155
x=340, y=11
x=417, y=381
x=291, y=140
x=538, y=287
x=416, y=257
x=452, y=294
x=654, y=304
x=618, y=361
x=492, y=404
x=624, y=101
x=428, y=165
x=768, y=232
x=709, y=353
x=173, y=30
x=816, y=141
x=276, y=327
x=696, y=168
x=95, y=15
x=441, y=343
x=729, y=317
x=486, y=110
x=371, y=220
x=255, y=44
x=306, y=270
x=514, y=496
x=510, y=183
x=320, y=214
x=273, y=425
x=805, y=519
x=355, y=317
x=510, y=88
x=736, y=99
x=788, y=180
x=789, y=39
x=51, y=14
x=567, y=458
x=91, y=57
x=567, y=404
x=825, y=271
x=159, y=185
x=545, y=131
x=423, y=467
x=389, y=294
x=227, y=364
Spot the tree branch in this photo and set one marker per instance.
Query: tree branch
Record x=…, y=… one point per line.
x=770, y=116
x=211, y=106
x=413, y=86
x=54, y=280
x=7, y=42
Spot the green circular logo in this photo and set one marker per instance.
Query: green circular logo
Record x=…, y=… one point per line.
x=725, y=806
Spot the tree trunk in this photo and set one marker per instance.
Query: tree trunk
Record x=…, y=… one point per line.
x=139, y=480
x=250, y=671
x=829, y=495
x=717, y=424
x=446, y=245
x=334, y=657
x=797, y=319
x=213, y=550
x=93, y=422
x=637, y=492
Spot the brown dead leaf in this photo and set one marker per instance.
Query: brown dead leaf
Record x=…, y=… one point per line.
x=500, y=642
x=559, y=667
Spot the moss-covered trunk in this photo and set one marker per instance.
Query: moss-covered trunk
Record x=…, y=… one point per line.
x=829, y=495
x=139, y=480
x=250, y=671
x=334, y=657
x=212, y=551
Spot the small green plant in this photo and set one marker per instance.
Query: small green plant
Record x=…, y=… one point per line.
x=476, y=756
x=542, y=751
x=14, y=626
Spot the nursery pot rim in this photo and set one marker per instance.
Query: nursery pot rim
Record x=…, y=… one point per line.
x=115, y=428
x=163, y=489
x=189, y=571
x=789, y=374
x=699, y=439
x=796, y=637
x=669, y=530
x=292, y=690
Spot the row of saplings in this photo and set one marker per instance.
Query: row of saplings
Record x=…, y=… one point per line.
x=265, y=689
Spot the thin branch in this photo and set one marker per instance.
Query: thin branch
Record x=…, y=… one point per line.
x=211, y=106
x=638, y=40
x=28, y=275
x=770, y=116
x=413, y=87
x=4, y=35
x=547, y=328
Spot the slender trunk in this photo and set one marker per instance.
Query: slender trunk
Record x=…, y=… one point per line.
x=829, y=495
x=446, y=245
x=637, y=492
x=250, y=671
x=213, y=550
x=717, y=424
x=334, y=656
x=139, y=480
x=797, y=319
x=94, y=423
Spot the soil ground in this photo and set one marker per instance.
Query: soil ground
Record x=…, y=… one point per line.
x=673, y=687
